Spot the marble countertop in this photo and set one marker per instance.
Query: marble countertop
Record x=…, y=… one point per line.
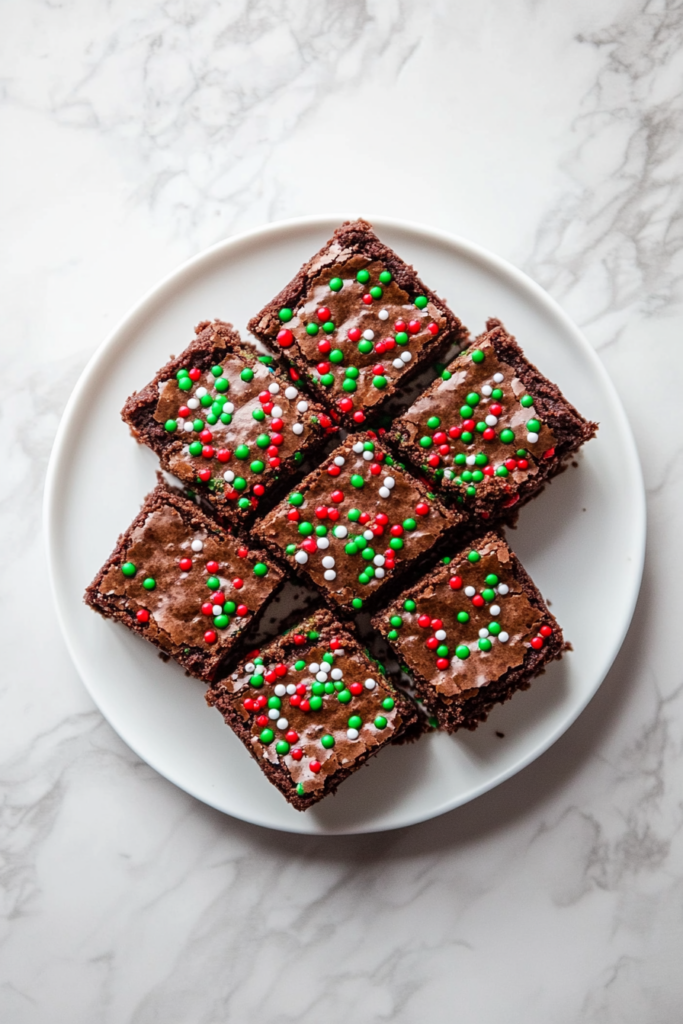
x=136, y=134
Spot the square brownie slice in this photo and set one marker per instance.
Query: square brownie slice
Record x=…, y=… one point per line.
x=356, y=523
x=225, y=422
x=472, y=633
x=311, y=708
x=183, y=582
x=493, y=430
x=358, y=323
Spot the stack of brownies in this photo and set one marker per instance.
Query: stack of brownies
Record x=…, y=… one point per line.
x=291, y=464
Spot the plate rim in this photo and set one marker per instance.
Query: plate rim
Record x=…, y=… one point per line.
x=474, y=253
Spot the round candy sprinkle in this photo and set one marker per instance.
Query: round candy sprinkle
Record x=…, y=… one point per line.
x=356, y=481
x=484, y=644
x=421, y=301
x=478, y=356
x=380, y=722
x=462, y=651
x=376, y=292
x=267, y=736
x=128, y=569
x=336, y=284
x=327, y=741
x=149, y=583
x=526, y=401
x=247, y=374
x=385, y=277
x=388, y=703
x=260, y=569
x=363, y=276
x=285, y=314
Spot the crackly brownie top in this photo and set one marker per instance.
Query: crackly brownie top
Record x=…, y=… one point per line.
x=468, y=622
x=478, y=428
x=358, y=330
x=186, y=583
x=313, y=702
x=232, y=425
x=351, y=521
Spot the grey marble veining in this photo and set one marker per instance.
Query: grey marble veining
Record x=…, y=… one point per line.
x=136, y=134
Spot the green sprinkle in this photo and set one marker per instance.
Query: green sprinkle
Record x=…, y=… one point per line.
x=336, y=356
x=526, y=401
x=299, y=665
x=472, y=398
x=226, y=417
x=213, y=583
x=368, y=554
x=217, y=371
x=481, y=459
x=296, y=499
x=491, y=580
x=466, y=437
x=385, y=277
x=376, y=292
x=256, y=681
x=355, y=722
x=463, y=617
x=222, y=384
x=221, y=621
x=263, y=441
x=128, y=569
x=242, y=451
x=484, y=644
x=442, y=651
x=344, y=696
x=327, y=741
x=244, y=504
x=312, y=329
x=478, y=356
x=380, y=722
x=321, y=531
x=462, y=651
x=392, y=635
x=396, y=620
x=488, y=594
x=421, y=301
x=502, y=471
x=365, y=346
x=473, y=556
x=328, y=327
x=425, y=442
x=247, y=374
x=257, y=466
x=368, y=446
x=258, y=414
x=348, y=385
x=409, y=605
x=433, y=422
x=357, y=481
x=477, y=476
x=282, y=747
x=185, y=384
x=352, y=372
x=409, y=524
x=327, y=380
x=466, y=411
x=300, y=791
x=357, y=603
x=182, y=373
x=401, y=338
x=260, y=569
x=285, y=314
x=363, y=578
x=267, y=736
x=396, y=543
x=336, y=284
x=446, y=375
x=230, y=607
x=363, y=276
x=195, y=448
x=534, y=426
x=507, y=436
x=494, y=628
x=170, y=426
x=354, y=515
x=239, y=483
x=305, y=529
x=379, y=382
x=496, y=393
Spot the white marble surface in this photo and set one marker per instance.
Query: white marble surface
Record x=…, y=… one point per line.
x=133, y=135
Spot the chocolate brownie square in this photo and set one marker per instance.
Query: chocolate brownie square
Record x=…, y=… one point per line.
x=358, y=323
x=225, y=422
x=179, y=579
x=311, y=708
x=493, y=430
x=472, y=632
x=356, y=523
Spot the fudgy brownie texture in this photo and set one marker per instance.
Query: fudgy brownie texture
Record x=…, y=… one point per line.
x=472, y=633
x=493, y=430
x=225, y=422
x=311, y=708
x=354, y=525
x=358, y=323
x=179, y=579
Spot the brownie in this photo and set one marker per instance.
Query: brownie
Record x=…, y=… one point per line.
x=312, y=707
x=472, y=632
x=182, y=581
x=356, y=523
x=358, y=323
x=225, y=422
x=493, y=430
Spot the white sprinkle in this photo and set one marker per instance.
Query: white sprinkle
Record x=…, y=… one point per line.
x=499, y=378
x=280, y=690
x=276, y=412
x=282, y=723
x=406, y=357
x=314, y=667
x=321, y=677
x=380, y=573
x=187, y=427
x=503, y=589
x=291, y=393
x=532, y=438
x=383, y=314
x=274, y=388
x=397, y=364
x=368, y=456
x=249, y=667
x=483, y=632
x=379, y=559
x=200, y=392
x=384, y=492
x=340, y=532
x=470, y=591
x=486, y=390
x=217, y=609
x=370, y=684
x=339, y=460
x=368, y=335
x=494, y=610
x=273, y=714
x=229, y=407
x=328, y=561
x=228, y=476
x=352, y=734
x=336, y=673
x=471, y=460
x=449, y=474
x=192, y=403
x=358, y=447
x=330, y=575
x=302, y=406
x=322, y=543
x=503, y=637
x=440, y=634
x=297, y=428
x=197, y=545
x=389, y=482
x=301, y=557
x=325, y=667
x=291, y=688
x=368, y=534
x=491, y=420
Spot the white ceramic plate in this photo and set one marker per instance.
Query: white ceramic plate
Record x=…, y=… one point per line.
x=582, y=540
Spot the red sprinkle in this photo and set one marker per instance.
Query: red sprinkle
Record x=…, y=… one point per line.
x=321, y=512
x=433, y=328
x=210, y=636
x=549, y=454
x=455, y=432
x=422, y=508
x=237, y=583
x=424, y=621
x=432, y=643
x=299, y=640
x=455, y=582
x=243, y=552
x=242, y=610
x=367, y=299
x=537, y=643
x=324, y=346
x=489, y=434
x=359, y=416
x=142, y=615
x=295, y=700
x=297, y=754
x=442, y=663
x=194, y=374
x=280, y=670
x=337, y=496
x=356, y=689
x=204, y=475
x=285, y=338
x=208, y=451
x=293, y=515
x=212, y=566
x=496, y=409
x=345, y=404
x=185, y=564
x=291, y=736
x=414, y=327
x=207, y=608
x=334, y=470
x=545, y=631
x=478, y=601
x=400, y=326
x=354, y=334
x=324, y=314
x=315, y=767
x=218, y=597
x=262, y=720
x=223, y=455
x=436, y=624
